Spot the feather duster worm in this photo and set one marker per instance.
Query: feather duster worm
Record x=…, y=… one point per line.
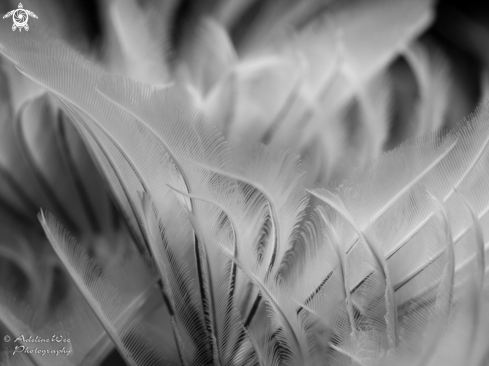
x=234, y=263
x=385, y=269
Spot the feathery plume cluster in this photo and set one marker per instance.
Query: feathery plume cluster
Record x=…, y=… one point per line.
x=184, y=186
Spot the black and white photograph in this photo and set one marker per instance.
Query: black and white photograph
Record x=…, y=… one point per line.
x=244, y=183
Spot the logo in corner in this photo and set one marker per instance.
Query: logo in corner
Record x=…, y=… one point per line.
x=20, y=17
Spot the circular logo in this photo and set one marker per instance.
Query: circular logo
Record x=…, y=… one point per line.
x=20, y=18
x=6, y=338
